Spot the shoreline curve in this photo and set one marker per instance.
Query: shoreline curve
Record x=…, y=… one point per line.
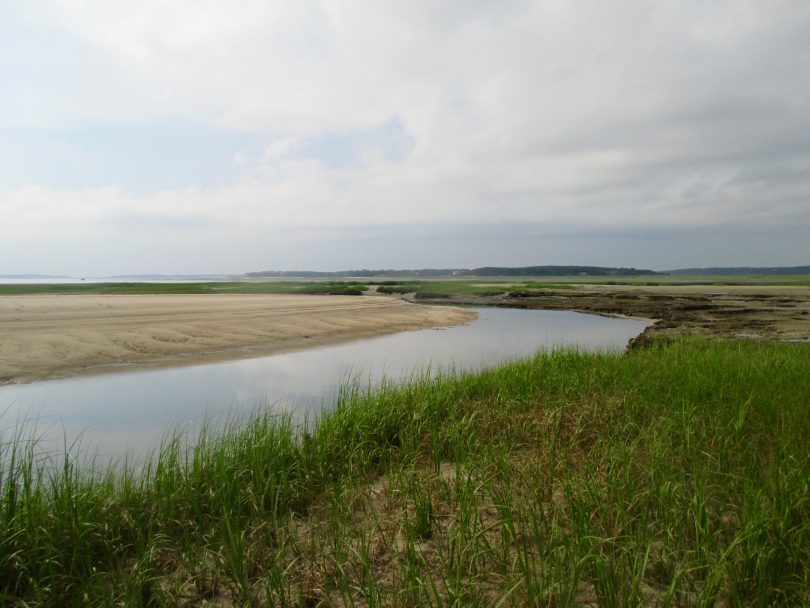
x=55, y=336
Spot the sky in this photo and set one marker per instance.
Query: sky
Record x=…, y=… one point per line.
x=205, y=136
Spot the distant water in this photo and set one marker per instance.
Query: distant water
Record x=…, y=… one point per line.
x=129, y=412
x=6, y=280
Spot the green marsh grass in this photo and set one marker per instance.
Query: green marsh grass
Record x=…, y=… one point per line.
x=678, y=475
x=442, y=289
x=445, y=289
x=214, y=287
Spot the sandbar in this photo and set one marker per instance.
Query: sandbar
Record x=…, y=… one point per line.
x=49, y=336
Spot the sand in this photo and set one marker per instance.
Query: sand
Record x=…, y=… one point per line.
x=47, y=336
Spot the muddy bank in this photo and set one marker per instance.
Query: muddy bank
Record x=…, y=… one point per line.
x=750, y=312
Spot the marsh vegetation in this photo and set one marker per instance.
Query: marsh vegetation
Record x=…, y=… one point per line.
x=344, y=288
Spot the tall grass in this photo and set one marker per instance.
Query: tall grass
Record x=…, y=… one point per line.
x=673, y=476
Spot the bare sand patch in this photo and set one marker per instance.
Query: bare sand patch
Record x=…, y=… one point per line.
x=46, y=336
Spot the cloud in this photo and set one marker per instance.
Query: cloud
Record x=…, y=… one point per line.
x=683, y=116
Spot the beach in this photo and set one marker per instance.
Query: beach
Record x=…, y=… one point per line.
x=50, y=336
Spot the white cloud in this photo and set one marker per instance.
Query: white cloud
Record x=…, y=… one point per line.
x=683, y=114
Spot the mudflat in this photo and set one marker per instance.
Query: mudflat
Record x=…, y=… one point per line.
x=755, y=312
x=46, y=336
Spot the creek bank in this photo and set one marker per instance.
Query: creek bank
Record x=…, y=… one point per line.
x=772, y=313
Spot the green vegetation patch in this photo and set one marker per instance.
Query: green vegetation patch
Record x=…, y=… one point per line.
x=269, y=287
x=443, y=289
x=678, y=475
x=677, y=280
x=447, y=289
x=536, y=285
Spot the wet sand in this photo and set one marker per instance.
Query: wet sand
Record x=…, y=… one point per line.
x=47, y=336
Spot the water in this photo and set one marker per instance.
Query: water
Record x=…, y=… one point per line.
x=9, y=280
x=130, y=412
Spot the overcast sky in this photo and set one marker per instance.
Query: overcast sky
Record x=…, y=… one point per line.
x=205, y=136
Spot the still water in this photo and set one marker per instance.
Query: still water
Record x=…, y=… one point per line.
x=130, y=412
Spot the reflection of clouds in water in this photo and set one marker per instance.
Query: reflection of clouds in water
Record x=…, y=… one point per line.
x=115, y=412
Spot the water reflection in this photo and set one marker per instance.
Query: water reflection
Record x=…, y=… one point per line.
x=131, y=411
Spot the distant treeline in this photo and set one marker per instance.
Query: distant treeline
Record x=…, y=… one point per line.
x=742, y=270
x=486, y=271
